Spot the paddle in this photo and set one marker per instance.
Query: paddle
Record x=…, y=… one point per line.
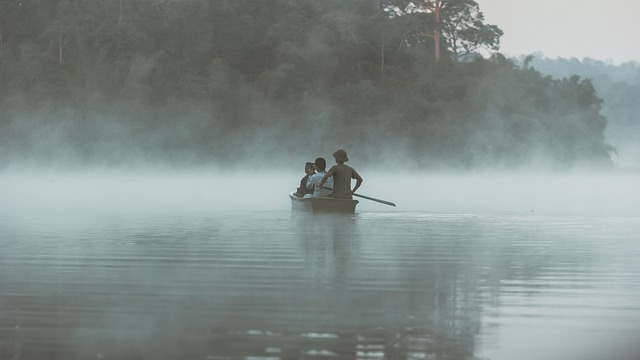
x=368, y=198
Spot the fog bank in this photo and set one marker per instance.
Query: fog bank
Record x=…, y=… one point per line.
x=601, y=194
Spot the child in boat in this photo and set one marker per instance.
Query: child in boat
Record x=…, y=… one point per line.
x=314, y=180
x=309, y=170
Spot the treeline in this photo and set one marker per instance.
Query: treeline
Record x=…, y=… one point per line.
x=619, y=87
x=247, y=82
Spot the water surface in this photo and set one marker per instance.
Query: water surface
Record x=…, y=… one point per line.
x=173, y=278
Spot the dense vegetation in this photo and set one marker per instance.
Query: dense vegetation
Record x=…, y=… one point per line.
x=619, y=87
x=242, y=81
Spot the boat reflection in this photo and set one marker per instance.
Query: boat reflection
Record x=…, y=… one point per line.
x=354, y=304
x=279, y=285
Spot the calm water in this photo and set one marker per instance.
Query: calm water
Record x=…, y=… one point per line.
x=152, y=281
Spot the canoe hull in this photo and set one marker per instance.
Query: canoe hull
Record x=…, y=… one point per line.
x=323, y=205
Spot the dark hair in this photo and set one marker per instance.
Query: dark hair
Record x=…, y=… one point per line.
x=321, y=163
x=309, y=165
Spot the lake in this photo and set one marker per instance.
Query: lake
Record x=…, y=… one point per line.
x=218, y=267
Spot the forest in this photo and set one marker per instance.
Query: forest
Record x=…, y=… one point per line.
x=241, y=83
x=619, y=88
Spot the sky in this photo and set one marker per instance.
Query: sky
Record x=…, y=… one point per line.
x=601, y=30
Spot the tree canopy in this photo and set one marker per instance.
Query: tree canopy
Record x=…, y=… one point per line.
x=460, y=23
x=199, y=81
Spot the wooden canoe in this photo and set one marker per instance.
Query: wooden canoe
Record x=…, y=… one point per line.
x=323, y=205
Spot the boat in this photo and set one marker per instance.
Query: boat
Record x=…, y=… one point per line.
x=323, y=205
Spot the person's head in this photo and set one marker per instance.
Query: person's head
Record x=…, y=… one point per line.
x=309, y=168
x=340, y=156
x=321, y=164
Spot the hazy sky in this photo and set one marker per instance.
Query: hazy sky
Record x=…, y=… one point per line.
x=602, y=30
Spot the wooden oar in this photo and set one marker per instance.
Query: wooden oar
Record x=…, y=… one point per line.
x=374, y=199
x=368, y=198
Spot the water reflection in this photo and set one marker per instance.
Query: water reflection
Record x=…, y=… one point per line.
x=328, y=242
x=366, y=303
x=292, y=286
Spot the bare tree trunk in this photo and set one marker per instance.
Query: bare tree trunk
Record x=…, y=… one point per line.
x=382, y=59
x=435, y=6
x=438, y=29
x=61, y=44
x=1, y=50
x=120, y=16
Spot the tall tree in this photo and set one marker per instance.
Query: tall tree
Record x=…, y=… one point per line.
x=435, y=7
x=460, y=23
x=66, y=26
x=465, y=31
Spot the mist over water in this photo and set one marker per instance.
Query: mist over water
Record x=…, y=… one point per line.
x=593, y=193
x=215, y=265
x=146, y=158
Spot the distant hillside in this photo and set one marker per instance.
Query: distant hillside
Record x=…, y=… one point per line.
x=618, y=86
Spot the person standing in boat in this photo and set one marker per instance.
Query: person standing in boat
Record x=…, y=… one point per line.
x=314, y=180
x=309, y=170
x=342, y=175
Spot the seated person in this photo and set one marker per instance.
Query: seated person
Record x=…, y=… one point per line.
x=313, y=183
x=342, y=175
x=309, y=170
